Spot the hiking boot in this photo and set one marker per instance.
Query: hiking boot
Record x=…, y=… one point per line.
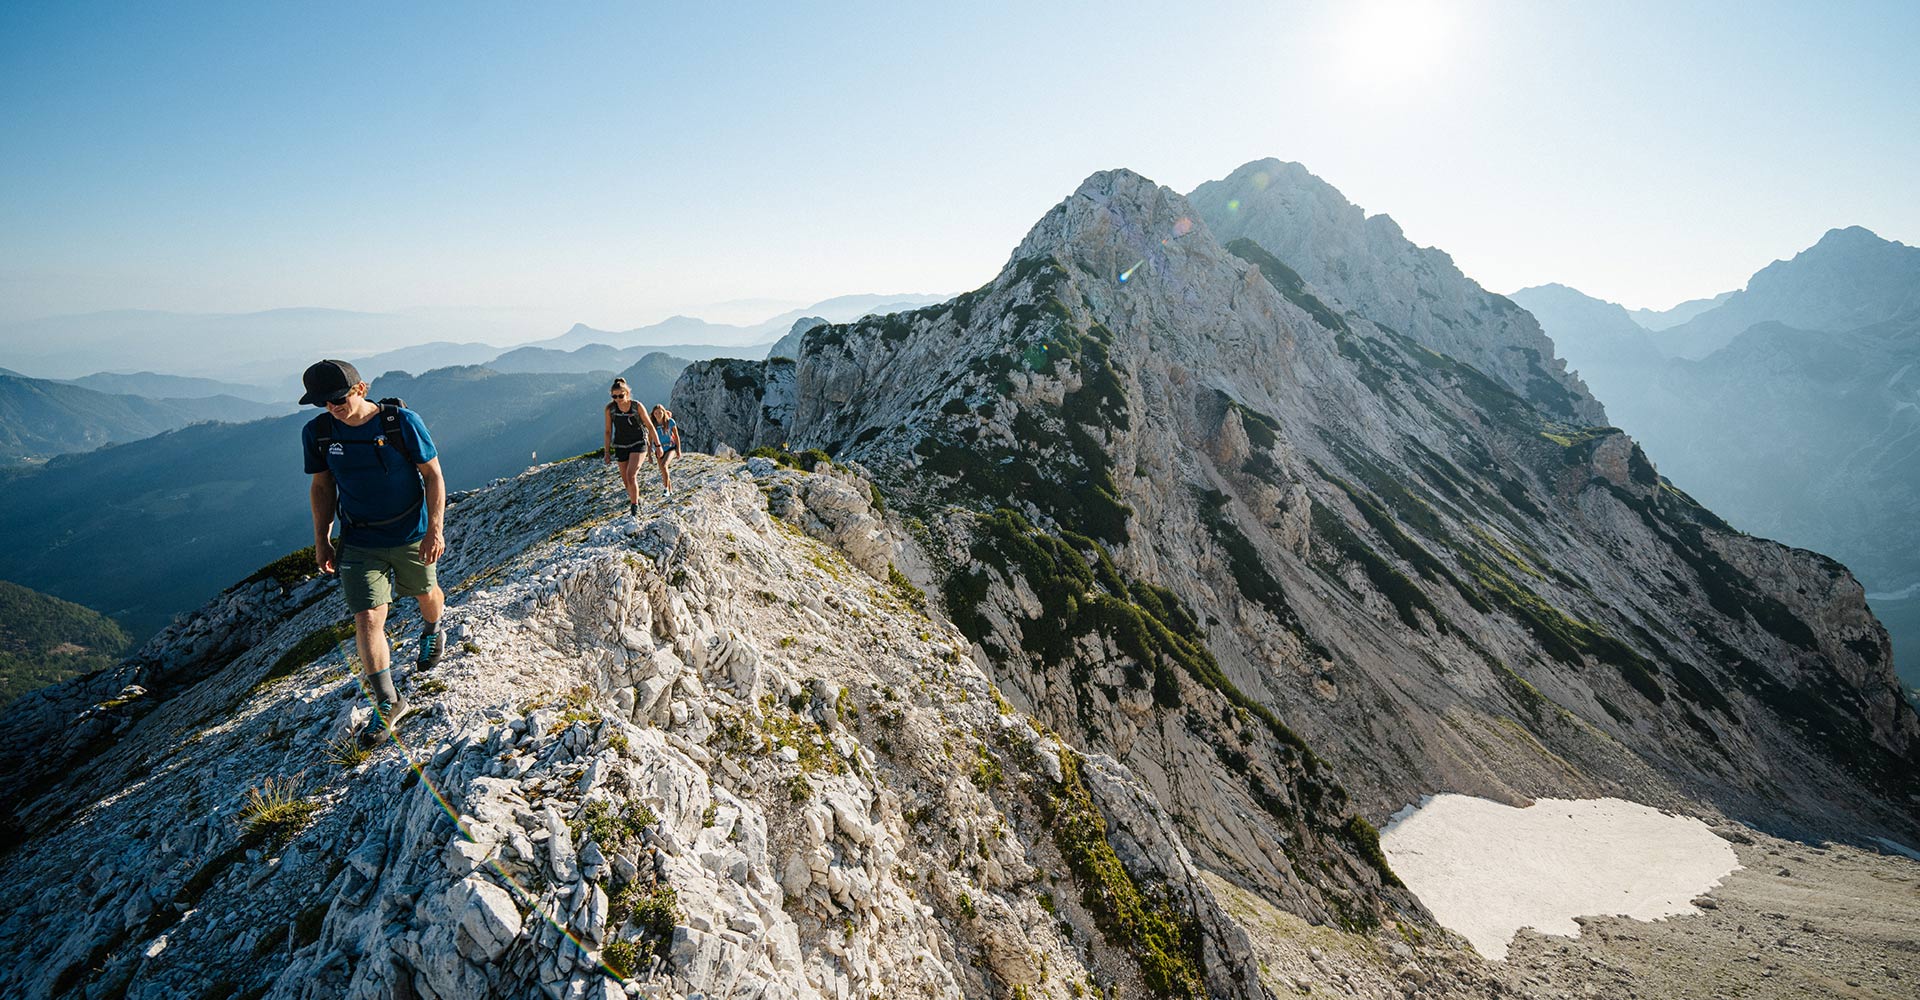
x=386, y=715
x=633, y=508
x=431, y=644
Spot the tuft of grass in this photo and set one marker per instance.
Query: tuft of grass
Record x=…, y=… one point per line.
x=347, y=752
x=806, y=461
x=275, y=812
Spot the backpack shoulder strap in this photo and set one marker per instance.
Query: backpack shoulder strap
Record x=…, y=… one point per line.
x=394, y=427
x=323, y=431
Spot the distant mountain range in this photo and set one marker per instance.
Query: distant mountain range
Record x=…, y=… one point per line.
x=1792, y=407
x=40, y=418
x=156, y=386
x=259, y=356
x=686, y=330
x=1661, y=319
x=150, y=528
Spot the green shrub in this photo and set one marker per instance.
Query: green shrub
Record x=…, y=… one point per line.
x=1164, y=942
x=287, y=571
x=275, y=812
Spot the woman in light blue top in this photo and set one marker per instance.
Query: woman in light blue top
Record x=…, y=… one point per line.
x=669, y=442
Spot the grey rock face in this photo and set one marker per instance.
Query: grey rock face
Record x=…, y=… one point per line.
x=1438, y=584
x=1364, y=265
x=742, y=404
x=1796, y=426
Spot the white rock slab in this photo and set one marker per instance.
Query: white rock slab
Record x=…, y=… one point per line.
x=1486, y=870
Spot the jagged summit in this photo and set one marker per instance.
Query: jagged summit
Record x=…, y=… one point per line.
x=1437, y=581
x=1364, y=265
x=1850, y=279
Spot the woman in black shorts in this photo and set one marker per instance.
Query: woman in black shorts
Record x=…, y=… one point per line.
x=629, y=439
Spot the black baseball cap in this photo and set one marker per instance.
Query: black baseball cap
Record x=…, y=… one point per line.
x=328, y=380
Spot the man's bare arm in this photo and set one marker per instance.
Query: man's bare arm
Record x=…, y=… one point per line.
x=321, y=497
x=436, y=500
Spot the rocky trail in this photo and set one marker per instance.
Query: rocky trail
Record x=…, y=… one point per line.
x=720, y=745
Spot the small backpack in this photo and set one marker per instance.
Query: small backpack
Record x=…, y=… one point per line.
x=392, y=425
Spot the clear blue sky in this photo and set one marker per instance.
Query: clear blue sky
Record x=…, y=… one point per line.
x=613, y=163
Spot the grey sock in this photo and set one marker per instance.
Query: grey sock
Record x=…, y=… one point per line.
x=381, y=684
x=429, y=628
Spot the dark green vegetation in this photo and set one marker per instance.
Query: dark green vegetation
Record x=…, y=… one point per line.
x=154, y=527
x=1249, y=572
x=1287, y=282
x=614, y=829
x=1133, y=918
x=1363, y=836
x=288, y=571
x=806, y=461
x=1059, y=462
x=44, y=640
x=1082, y=593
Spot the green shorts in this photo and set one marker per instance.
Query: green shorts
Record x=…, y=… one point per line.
x=372, y=577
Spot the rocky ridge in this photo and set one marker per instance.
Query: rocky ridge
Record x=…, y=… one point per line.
x=1220, y=488
x=1364, y=264
x=721, y=745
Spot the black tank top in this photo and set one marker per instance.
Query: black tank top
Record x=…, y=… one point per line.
x=627, y=431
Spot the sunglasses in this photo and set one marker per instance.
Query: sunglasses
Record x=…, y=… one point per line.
x=618, y=395
x=334, y=401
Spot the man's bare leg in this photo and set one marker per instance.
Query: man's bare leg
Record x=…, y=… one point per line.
x=370, y=633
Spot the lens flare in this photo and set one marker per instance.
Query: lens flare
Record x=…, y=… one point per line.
x=1233, y=205
x=1127, y=275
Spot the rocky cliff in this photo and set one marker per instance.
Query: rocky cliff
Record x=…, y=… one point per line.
x=718, y=750
x=1151, y=474
x=1363, y=263
x=1798, y=425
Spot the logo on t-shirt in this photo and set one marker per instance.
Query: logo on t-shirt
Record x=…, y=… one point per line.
x=335, y=449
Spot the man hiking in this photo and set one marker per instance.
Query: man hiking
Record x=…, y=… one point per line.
x=375, y=469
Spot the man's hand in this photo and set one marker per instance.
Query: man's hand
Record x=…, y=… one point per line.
x=432, y=546
x=323, y=555
x=606, y=457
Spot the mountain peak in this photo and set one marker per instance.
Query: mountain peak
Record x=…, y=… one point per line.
x=1850, y=279
x=1848, y=237
x=1365, y=265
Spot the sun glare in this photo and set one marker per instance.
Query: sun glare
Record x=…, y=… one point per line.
x=1388, y=44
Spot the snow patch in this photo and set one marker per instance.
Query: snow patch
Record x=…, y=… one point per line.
x=1486, y=870
x=1898, y=848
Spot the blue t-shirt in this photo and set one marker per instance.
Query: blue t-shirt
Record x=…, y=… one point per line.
x=377, y=477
